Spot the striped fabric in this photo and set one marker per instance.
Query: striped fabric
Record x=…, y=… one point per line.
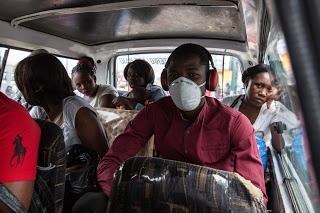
x=144, y=184
x=51, y=166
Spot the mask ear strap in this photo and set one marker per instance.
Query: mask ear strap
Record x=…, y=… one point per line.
x=202, y=84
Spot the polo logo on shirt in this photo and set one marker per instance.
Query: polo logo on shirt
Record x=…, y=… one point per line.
x=19, y=150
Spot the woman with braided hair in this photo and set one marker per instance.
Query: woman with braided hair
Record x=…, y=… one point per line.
x=84, y=78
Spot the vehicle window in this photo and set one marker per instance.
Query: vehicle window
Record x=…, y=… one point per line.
x=296, y=148
x=229, y=71
x=228, y=67
x=68, y=63
x=8, y=85
x=157, y=61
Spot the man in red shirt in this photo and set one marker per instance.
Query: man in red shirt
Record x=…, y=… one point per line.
x=188, y=126
x=19, y=143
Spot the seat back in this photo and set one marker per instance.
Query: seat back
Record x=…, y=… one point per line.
x=115, y=122
x=51, y=169
x=143, y=184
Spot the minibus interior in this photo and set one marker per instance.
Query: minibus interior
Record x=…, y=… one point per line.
x=238, y=34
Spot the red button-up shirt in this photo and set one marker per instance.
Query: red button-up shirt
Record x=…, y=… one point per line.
x=220, y=138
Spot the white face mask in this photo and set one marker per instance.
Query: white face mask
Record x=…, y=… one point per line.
x=185, y=93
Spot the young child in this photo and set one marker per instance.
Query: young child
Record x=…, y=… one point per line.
x=140, y=95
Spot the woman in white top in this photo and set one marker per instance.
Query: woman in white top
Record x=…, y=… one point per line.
x=44, y=82
x=258, y=106
x=84, y=78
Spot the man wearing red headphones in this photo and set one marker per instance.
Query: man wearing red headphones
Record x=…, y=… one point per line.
x=188, y=126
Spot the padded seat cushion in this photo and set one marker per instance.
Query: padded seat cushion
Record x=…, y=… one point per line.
x=143, y=184
x=115, y=122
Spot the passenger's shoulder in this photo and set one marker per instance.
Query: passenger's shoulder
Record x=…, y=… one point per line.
x=73, y=100
x=74, y=103
x=164, y=103
x=11, y=107
x=228, y=100
x=215, y=105
x=107, y=87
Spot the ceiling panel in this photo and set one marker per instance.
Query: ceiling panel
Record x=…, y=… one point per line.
x=164, y=21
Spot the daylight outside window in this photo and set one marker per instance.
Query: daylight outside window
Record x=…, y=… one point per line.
x=8, y=85
x=228, y=67
x=294, y=156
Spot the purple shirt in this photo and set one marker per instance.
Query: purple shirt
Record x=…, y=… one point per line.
x=220, y=138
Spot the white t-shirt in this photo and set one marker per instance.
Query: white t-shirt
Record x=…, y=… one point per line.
x=37, y=112
x=277, y=112
x=102, y=90
x=70, y=107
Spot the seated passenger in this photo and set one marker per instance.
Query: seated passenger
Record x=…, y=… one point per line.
x=44, y=82
x=188, y=126
x=19, y=143
x=84, y=78
x=140, y=95
x=139, y=73
x=257, y=105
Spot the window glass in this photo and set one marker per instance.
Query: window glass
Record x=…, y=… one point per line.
x=157, y=61
x=4, y=77
x=68, y=64
x=228, y=67
x=229, y=71
x=296, y=145
x=8, y=85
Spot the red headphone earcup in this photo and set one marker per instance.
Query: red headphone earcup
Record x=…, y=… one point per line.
x=212, y=80
x=164, y=80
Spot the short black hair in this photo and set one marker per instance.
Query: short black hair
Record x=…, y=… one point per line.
x=192, y=49
x=143, y=66
x=42, y=79
x=251, y=72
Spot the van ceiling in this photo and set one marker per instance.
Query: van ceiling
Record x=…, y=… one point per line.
x=130, y=20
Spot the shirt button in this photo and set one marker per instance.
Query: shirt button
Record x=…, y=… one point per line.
x=186, y=151
x=188, y=132
x=258, y=156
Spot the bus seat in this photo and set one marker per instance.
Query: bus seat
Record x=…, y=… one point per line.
x=144, y=184
x=115, y=121
x=51, y=168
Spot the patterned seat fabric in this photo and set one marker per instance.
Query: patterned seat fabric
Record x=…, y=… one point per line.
x=51, y=169
x=143, y=184
x=115, y=121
